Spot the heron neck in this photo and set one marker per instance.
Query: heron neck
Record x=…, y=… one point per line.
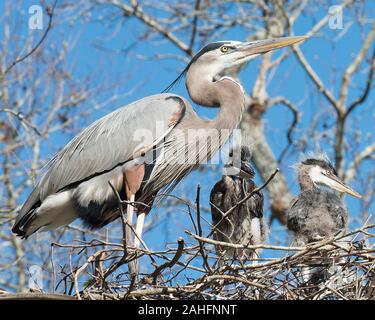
x=225, y=94
x=232, y=104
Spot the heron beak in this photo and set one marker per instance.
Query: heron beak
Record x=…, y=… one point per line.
x=338, y=185
x=263, y=46
x=246, y=172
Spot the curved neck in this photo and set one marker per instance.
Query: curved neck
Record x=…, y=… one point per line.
x=225, y=93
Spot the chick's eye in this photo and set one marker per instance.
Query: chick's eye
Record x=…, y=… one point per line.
x=224, y=49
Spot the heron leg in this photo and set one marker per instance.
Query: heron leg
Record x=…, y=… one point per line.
x=134, y=265
x=129, y=221
x=132, y=179
x=128, y=231
x=139, y=229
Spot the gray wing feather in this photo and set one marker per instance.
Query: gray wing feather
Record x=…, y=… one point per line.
x=106, y=143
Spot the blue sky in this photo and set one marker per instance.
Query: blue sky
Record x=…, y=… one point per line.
x=136, y=68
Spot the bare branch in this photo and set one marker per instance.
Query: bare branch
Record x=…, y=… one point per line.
x=136, y=11
x=366, y=91
x=20, y=59
x=315, y=78
x=195, y=24
x=21, y=118
x=201, y=248
x=294, y=110
x=365, y=154
x=353, y=67
x=171, y=263
x=35, y=296
x=240, y=246
x=309, y=70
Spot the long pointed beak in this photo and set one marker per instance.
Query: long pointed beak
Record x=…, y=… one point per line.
x=246, y=171
x=338, y=185
x=263, y=46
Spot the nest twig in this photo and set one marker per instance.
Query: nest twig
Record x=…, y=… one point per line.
x=346, y=268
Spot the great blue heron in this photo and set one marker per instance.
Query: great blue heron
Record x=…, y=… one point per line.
x=118, y=147
x=244, y=225
x=317, y=213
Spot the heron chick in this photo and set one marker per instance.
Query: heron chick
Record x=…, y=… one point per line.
x=318, y=212
x=244, y=225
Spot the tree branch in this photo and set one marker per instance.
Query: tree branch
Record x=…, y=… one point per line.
x=294, y=110
x=365, y=154
x=18, y=60
x=353, y=67
x=171, y=263
x=309, y=70
x=136, y=11
x=366, y=91
x=315, y=78
x=21, y=118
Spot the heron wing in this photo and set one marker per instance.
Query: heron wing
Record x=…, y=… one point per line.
x=217, y=201
x=256, y=201
x=296, y=215
x=107, y=143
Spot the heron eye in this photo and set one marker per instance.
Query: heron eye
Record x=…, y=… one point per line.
x=224, y=49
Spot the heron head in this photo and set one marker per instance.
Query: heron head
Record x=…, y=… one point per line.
x=239, y=163
x=224, y=58
x=322, y=172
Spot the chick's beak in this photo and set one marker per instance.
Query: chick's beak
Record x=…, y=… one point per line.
x=339, y=185
x=246, y=171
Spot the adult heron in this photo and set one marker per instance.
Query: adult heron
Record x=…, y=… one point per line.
x=144, y=147
x=245, y=224
x=318, y=212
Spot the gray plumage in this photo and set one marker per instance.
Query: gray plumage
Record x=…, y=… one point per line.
x=245, y=225
x=75, y=181
x=145, y=147
x=318, y=213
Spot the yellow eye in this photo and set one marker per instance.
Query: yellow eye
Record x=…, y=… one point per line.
x=224, y=49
